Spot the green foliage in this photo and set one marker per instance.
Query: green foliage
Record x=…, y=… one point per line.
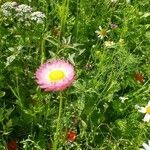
x=92, y=107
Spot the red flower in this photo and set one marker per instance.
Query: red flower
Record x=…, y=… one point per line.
x=139, y=77
x=71, y=136
x=12, y=145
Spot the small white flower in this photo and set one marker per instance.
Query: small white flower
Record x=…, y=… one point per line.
x=23, y=9
x=109, y=44
x=146, y=146
x=123, y=99
x=101, y=32
x=23, y=13
x=7, y=8
x=6, y=13
x=8, y=5
x=145, y=110
x=38, y=17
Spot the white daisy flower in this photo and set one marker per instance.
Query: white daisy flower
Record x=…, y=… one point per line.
x=123, y=99
x=101, y=33
x=146, y=146
x=145, y=110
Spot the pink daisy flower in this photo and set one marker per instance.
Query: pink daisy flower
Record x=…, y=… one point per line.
x=55, y=75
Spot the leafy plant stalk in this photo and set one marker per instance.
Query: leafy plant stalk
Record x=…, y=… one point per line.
x=42, y=50
x=58, y=126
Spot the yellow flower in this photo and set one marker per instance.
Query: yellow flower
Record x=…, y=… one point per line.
x=102, y=32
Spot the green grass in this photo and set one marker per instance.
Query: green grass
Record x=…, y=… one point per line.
x=91, y=106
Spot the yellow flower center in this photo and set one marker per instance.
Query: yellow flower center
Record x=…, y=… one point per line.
x=103, y=32
x=56, y=75
x=148, y=109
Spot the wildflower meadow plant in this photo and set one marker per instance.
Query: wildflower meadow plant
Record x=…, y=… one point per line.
x=74, y=75
x=38, y=17
x=22, y=13
x=145, y=110
x=123, y=99
x=114, y=26
x=20, y=9
x=71, y=136
x=139, y=77
x=109, y=44
x=8, y=8
x=56, y=75
x=146, y=146
x=102, y=32
x=12, y=145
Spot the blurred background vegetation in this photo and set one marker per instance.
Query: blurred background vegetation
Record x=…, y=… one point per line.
x=92, y=106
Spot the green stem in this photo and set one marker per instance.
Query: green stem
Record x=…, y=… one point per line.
x=56, y=138
x=42, y=51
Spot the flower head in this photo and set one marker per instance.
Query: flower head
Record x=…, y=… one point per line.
x=23, y=8
x=7, y=8
x=101, y=32
x=109, y=44
x=146, y=146
x=123, y=99
x=37, y=17
x=71, y=136
x=55, y=75
x=12, y=145
x=139, y=77
x=114, y=26
x=145, y=110
x=8, y=5
x=22, y=14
